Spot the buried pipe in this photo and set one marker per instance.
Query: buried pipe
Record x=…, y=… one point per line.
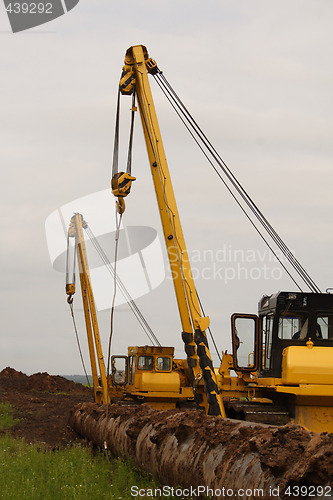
x=229, y=458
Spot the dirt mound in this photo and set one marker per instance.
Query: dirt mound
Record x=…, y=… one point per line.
x=11, y=379
x=42, y=403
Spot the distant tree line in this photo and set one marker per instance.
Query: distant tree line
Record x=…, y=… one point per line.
x=81, y=379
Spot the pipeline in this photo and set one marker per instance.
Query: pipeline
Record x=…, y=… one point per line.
x=235, y=459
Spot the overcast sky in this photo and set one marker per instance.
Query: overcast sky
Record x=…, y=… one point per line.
x=256, y=75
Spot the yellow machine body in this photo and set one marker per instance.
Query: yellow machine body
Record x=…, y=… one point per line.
x=294, y=374
x=152, y=376
x=307, y=365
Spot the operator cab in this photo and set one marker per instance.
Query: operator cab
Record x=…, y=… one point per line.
x=292, y=319
x=284, y=319
x=140, y=360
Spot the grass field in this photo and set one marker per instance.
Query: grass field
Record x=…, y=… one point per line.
x=29, y=472
x=6, y=416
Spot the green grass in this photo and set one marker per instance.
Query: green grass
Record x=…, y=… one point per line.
x=30, y=472
x=6, y=416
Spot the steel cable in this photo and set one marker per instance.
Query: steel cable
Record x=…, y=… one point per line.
x=118, y=222
x=131, y=303
x=78, y=343
x=203, y=143
x=232, y=194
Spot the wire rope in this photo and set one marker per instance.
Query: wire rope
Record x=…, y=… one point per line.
x=78, y=343
x=118, y=222
x=204, y=144
x=131, y=303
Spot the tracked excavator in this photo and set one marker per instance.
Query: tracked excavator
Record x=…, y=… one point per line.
x=289, y=373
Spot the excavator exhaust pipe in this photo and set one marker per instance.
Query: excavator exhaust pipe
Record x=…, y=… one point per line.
x=214, y=456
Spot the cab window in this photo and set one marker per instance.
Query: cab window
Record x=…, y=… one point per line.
x=163, y=364
x=324, y=327
x=145, y=363
x=131, y=369
x=293, y=326
x=267, y=338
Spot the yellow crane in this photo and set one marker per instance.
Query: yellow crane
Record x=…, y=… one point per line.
x=148, y=374
x=75, y=231
x=135, y=78
x=289, y=372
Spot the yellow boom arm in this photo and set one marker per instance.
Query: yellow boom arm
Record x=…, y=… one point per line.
x=76, y=231
x=135, y=75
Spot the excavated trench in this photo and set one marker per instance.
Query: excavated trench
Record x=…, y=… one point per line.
x=233, y=459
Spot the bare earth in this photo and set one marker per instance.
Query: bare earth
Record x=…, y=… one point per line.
x=42, y=402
